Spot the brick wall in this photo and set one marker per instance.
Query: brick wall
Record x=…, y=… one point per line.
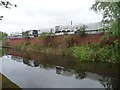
x=58, y=41
x=77, y=40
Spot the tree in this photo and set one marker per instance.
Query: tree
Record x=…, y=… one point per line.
x=111, y=17
x=25, y=34
x=3, y=35
x=81, y=30
x=6, y=4
x=3, y=38
x=111, y=14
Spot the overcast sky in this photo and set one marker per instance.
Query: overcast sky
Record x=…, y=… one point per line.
x=36, y=14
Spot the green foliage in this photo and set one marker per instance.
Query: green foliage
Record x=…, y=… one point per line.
x=109, y=54
x=3, y=38
x=93, y=52
x=102, y=41
x=3, y=35
x=22, y=45
x=45, y=35
x=83, y=53
x=68, y=39
x=81, y=30
x=111, y=18
x=110, y=10
x=25, y=34
x=111, y=15
x=103, y=54
x=1, y=54
x=67, y=51
x=114, y=28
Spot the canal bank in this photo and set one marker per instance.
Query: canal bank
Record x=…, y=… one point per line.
x=7, y=84
x=96, y=47
x=90, y=52
x=39, y=70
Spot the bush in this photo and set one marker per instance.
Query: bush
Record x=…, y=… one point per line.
x=68, y=39
x=94, y=52
x=109, y=54
x=45, y=35
x=103, y=53
x=22, y=45
x=83, y=53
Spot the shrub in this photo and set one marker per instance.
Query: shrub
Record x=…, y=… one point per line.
x=68, y=39
x=83, y=53
x=109, y=54
x=45, y=35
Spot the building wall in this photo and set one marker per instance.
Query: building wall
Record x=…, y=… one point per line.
x=58, y=41
x=88, y=39
x=16, y=41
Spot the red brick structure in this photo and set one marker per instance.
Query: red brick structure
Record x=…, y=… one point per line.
x=87, y=39
x=57, y=41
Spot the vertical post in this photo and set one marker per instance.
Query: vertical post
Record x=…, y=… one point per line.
x=22, y=33
x=71, y=26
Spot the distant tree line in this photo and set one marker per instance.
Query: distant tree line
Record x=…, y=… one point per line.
x=3, y=35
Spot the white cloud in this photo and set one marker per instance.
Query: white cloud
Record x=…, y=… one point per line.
x=32, y=14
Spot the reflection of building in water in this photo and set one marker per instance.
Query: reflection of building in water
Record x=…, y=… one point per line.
x=68, y=73
x=81, y=75
x=16, y=58
x=31, y=62
x=93, y=76
x=62, y=71
x=59, y=69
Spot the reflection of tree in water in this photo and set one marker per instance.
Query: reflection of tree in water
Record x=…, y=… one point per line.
x=109, y=83
x=79, y=72
x=2, y=52
x=16, y=58
x=26, y=61
x=59, y=69
x=70, y=72
x=81, y=75
x=36, y=63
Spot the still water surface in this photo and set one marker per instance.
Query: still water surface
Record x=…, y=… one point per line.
x=30, y=70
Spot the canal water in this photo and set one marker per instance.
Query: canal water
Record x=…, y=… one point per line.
x=33, y=70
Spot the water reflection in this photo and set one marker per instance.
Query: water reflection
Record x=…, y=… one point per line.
x=2, y=53
x=104, y=73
